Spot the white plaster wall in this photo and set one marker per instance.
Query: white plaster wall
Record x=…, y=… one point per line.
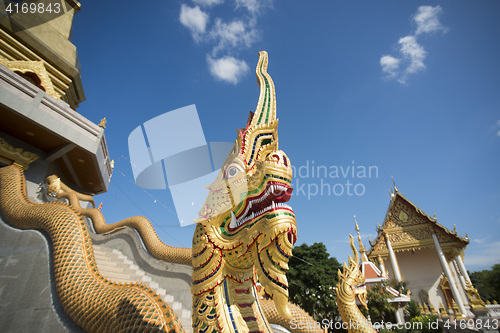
x=420, y=270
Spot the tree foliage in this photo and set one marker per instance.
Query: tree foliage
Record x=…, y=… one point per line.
x=412, y=310
x=312, y=278
x=487, y=283
x=379, y=307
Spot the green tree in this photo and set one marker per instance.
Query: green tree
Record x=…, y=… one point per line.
x=412, y=310
x=379, y=307
x=487, y=283
x=401, y=287
x=312, y=278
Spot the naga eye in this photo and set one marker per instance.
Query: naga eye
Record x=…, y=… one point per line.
x=232, y=171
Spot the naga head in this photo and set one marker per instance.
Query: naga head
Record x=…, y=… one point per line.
x=244, y=217
x=54, y=186
x=351, y=280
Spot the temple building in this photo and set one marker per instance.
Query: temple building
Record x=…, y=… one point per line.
x=413, y=248
x=40, y=90
x=41, y=131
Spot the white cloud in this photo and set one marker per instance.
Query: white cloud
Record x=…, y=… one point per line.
x=390, y=65
x=224, y=37
x=232, y=35
x=482, y=256
x=411, y=53
x=427, y=20
x=253, y=6
x=208, y=3
x=498, y=133
x=227, y=68
x=411, y=60
x=480, y=240
x=195, y=20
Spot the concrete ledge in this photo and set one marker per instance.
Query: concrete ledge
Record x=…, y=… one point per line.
x=23, y=104
x=30, y=99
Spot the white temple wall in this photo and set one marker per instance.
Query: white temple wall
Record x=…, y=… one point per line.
x=422, y=271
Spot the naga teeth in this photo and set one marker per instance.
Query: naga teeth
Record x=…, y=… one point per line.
x=233, y=223
x=273, y=205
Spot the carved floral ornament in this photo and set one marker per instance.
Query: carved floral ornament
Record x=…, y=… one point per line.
x=37, y=68
x=12, y=155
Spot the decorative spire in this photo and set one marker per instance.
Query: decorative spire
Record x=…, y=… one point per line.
x=362, y=249
x=455, y=229
x=394, y=184
x=102, y=123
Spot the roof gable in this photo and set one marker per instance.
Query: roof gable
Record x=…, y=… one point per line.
x=409, y=228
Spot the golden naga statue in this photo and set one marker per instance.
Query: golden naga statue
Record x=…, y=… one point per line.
x=351, y=285
x=245, y=233
x=244, y=236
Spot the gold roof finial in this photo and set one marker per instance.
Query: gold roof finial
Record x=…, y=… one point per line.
x=466, y=236
x=394, y=184
x=362, y=249
x=455, y=229
x=103, y=123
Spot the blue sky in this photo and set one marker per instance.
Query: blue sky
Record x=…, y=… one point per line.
x=409, y=88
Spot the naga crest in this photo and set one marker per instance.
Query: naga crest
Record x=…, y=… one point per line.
x=351, y=280
x=245, y=232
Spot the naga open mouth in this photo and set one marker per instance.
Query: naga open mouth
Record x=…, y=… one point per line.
x=360, y=292
x=272, y=198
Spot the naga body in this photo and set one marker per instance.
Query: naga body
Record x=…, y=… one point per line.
x=244, y=236
x=93, y=302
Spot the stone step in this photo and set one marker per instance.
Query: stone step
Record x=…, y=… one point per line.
x=117, y=267
x=187, y=324
x=117, y=277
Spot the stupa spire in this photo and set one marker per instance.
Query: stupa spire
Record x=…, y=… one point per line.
x=362, y=249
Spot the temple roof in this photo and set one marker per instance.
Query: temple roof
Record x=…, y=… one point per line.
x=373, y=276
x=409, y=229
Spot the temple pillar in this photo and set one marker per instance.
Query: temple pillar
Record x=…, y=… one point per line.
x=460, y=280
x=392, y=256
x=461, y=266
x=400, y=317
x=382, y=266
x=447, y=273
